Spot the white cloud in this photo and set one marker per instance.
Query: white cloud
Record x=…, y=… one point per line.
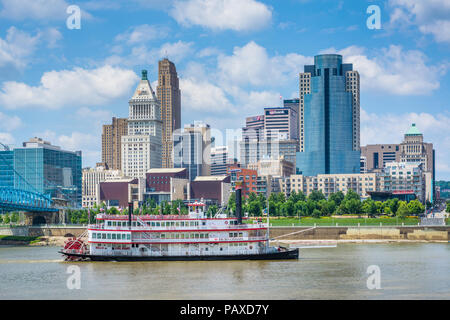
x=390, y=128
x=431, y=16
x=142, y=33
x=8, y=123
x=143, y=55
x=251, y=64
x=204, y=96
x=89, y=144
x=393, y=70
x=16, y=49
x=6, y=138
x=79, y=87
x=176, y=51
x=238, y=15
x=34, y=9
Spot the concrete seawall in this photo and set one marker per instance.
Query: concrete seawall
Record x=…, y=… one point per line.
x=361, y=233
x=292, y=233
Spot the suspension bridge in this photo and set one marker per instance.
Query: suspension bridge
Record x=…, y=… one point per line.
x=20, y=195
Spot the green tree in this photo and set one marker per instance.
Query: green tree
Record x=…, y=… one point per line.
x=415, y=207
x=352, y=206
x=231, y=207
x=316, y=213
x=212, y=210
x=402, y=211
x=14, y=217
x=352, y=195
x=369, y=206
x=316, y=196
x=447, y=209
x=337, y=197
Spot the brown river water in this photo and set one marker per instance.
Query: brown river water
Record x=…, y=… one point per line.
x=406, y=271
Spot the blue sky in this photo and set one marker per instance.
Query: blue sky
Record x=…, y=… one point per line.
x=234, y=57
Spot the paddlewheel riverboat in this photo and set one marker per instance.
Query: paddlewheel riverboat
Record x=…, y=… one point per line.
x=175, y=237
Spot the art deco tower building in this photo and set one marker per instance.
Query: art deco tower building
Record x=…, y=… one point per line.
x=141, y=148
x=168, y=91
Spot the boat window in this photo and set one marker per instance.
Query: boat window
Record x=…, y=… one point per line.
x=163, y=235
x=123, y=236
x=94, y=236
x=182, y=236
x=240, y=234
x=157, y=224
x=104, y=236
x=109, y=223
x=177, y=236
x=182, y=223
x=197, y=236
x=192, y=236
x=109, y=235
x=114, y=223
x=114, y=236
x=204, y=223
x=128, y=236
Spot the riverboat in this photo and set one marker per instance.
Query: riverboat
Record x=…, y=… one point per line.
x=175, y=237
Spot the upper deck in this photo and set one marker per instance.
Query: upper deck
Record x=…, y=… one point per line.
x=171, y=223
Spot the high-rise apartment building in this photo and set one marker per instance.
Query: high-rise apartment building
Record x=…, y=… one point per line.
x=169, y=95
x=254, y=128
x=112, y=142
x=141, y=147
x=329, y=136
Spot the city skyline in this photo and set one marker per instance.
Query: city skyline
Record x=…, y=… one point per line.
x=221, y=59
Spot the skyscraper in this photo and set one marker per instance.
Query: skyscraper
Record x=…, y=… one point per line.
x=168, y=91
x=352, y=84
x=112, y=142
x=141, y=148
x=192, y=149
x=329, y=120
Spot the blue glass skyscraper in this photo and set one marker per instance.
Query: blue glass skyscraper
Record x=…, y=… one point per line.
x=328, y=120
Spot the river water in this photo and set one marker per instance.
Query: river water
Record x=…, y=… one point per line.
x=407, y=271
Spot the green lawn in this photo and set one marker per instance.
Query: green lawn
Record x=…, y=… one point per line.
x=25, y=239
x=329, y=221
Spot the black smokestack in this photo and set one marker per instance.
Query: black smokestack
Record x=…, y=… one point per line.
x=239, y=204
x=130, y=211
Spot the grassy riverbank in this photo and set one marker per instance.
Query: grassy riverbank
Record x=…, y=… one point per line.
x=19, y=239
x=342, y=221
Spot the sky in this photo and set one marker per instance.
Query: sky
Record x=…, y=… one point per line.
x=233, y=57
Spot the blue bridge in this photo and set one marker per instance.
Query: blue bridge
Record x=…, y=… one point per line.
x=20, y=200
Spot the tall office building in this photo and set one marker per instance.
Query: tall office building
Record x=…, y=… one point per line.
x=254, y=128
x=294, y=104
x=328, y=133
x=192, y=150
x=169, y=95
x=48, y=169
x=219, y=160
x=141, y=147
x=280, y=123
x=112, y=142
x=352, y=84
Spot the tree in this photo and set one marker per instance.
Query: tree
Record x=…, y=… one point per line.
x=352, y=206
x=447, y=209
x=212, y=210
x=352, y=195
x=316, y=213
x=316, y=195
x=14, y=217
x=231, y=207
x=415, y=207
x=337, y=197
x=402, y=210
x=296, y=197
x=369, y=206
